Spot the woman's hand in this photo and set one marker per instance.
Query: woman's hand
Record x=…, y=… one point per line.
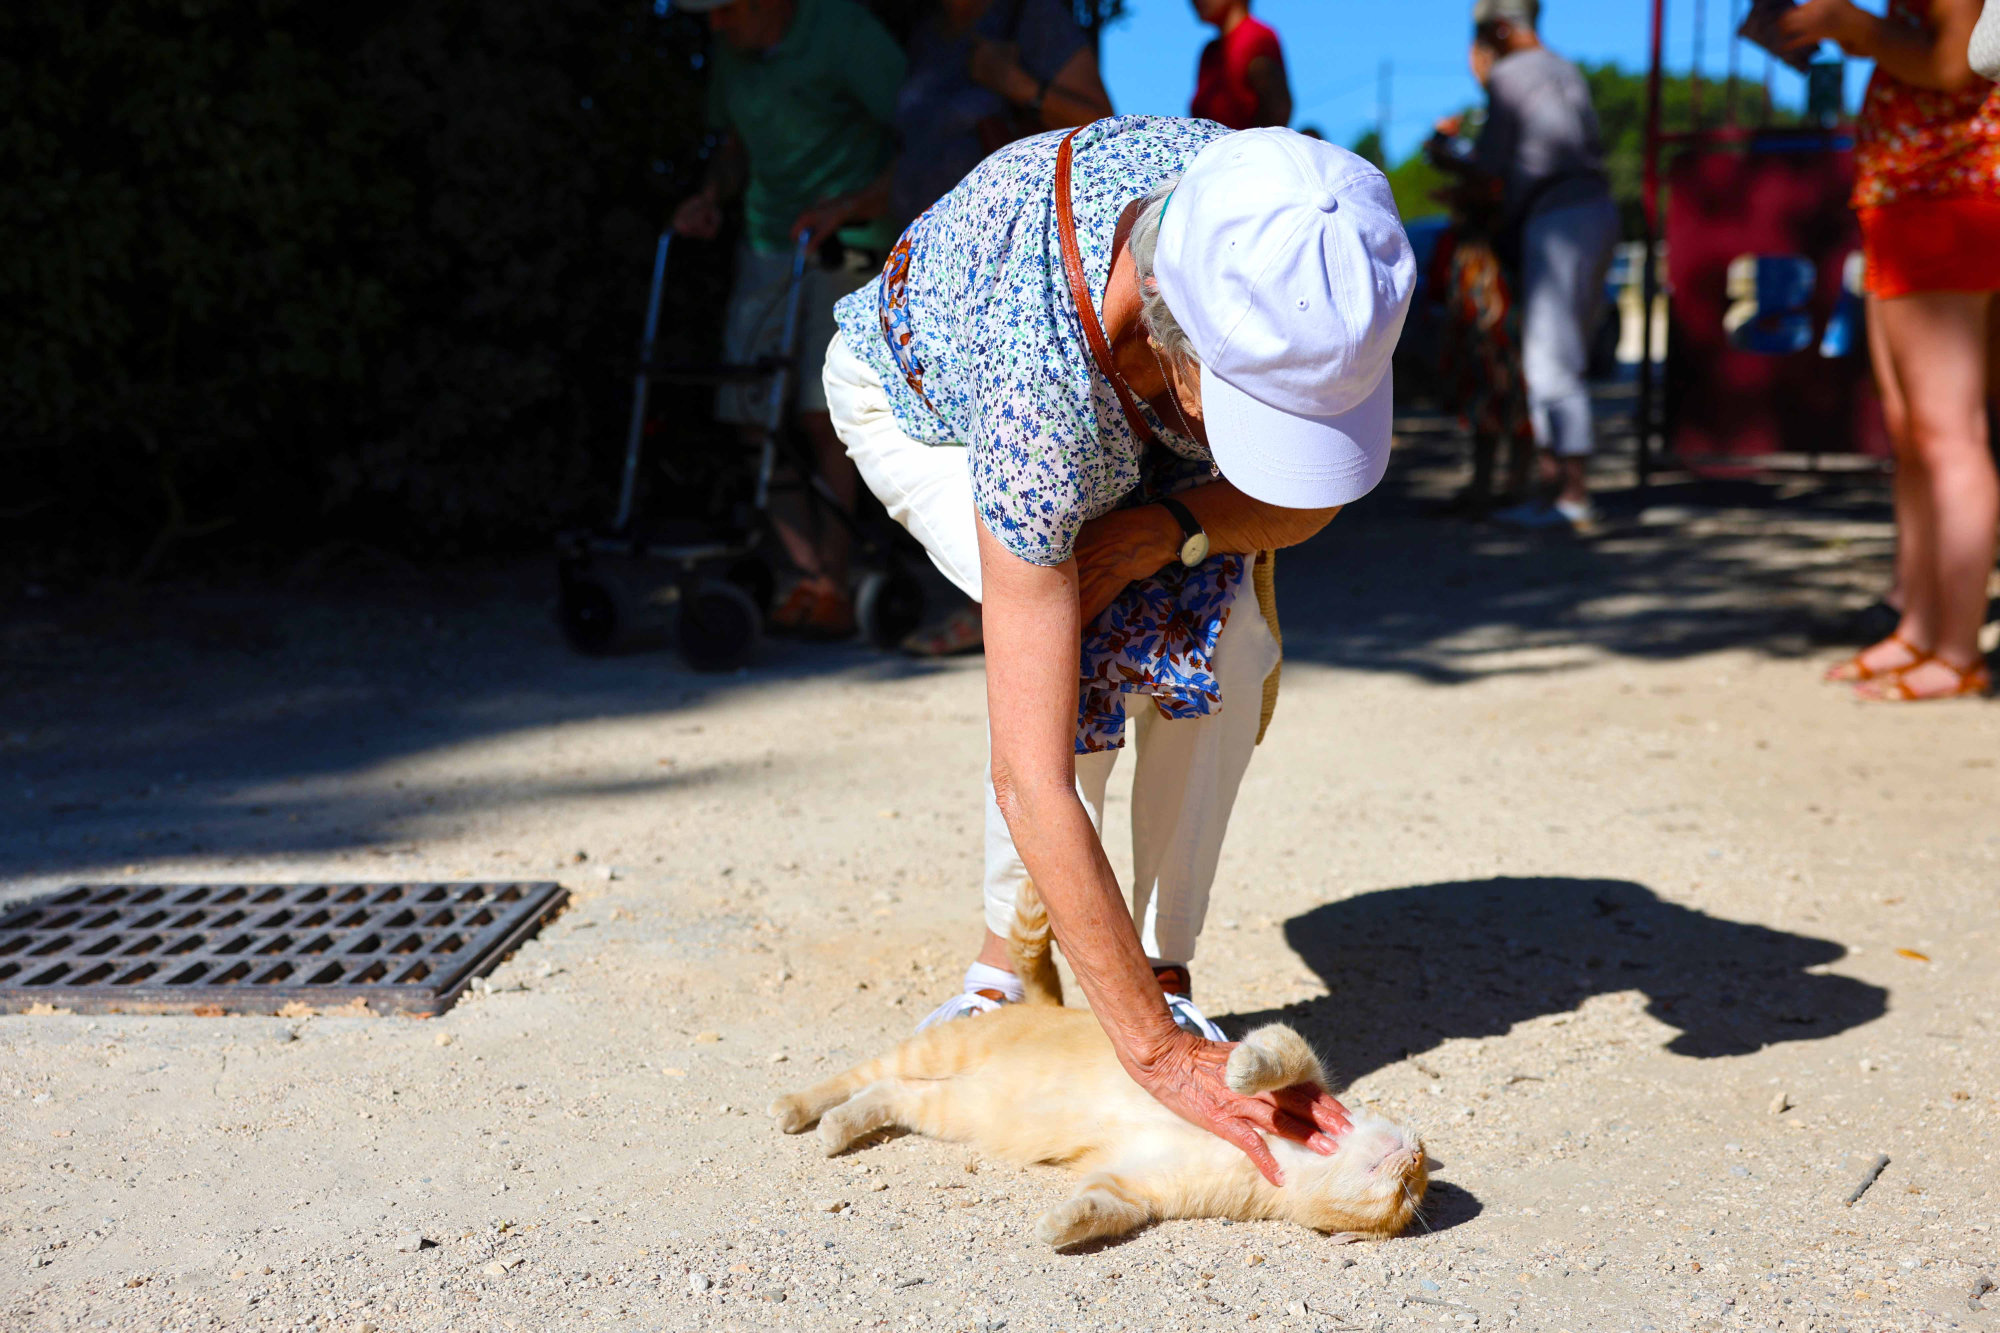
x=824, y=218
x=699, y=217
x=1818, y=21
x=1118, y=549
x=1186, y=1076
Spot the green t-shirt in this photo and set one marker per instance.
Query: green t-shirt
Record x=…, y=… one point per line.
x=814, y=113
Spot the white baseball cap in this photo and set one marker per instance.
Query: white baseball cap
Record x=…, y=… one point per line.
x=1285, y=262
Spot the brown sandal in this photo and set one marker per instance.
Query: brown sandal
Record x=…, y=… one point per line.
x=1856, y=669
x=1973, y=681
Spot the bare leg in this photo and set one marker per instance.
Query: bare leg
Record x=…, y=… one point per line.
x=1911, y=541
x=836, y=469
x=790, y=514
x=1937, y=348
x=1573, y=486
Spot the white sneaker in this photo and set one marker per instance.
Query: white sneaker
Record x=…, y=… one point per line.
x=1581, y=515
x=986, y=989
x=1190, y=1019
x=967, y=1004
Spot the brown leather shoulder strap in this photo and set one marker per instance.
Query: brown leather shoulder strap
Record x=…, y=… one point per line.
x=1079, y=292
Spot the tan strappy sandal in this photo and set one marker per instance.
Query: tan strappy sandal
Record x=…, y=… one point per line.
x=1973, y=681
x=1856, y=669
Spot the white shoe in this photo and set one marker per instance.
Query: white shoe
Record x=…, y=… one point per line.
x=1190, y=1019
x=967, y=1004
x=986, y=989
x=1581, y=515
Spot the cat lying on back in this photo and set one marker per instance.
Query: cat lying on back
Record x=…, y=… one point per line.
x=1036, y=1082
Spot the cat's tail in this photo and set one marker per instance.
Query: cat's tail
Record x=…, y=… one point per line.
x=1028, y=949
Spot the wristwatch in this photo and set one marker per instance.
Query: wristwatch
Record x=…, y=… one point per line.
x=1194, y=543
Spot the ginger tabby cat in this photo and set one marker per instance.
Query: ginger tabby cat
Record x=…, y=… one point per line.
x=1035, y=1082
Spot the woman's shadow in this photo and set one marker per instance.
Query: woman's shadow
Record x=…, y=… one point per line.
x=1407, y=969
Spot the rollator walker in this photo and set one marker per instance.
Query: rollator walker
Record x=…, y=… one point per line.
x=706, y=583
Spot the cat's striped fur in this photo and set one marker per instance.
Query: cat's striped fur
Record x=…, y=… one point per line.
x=1036, y=1082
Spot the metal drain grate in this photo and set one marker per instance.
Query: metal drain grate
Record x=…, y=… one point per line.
x=259, y=948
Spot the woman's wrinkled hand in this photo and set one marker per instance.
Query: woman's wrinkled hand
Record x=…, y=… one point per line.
x=1187, y=1077
x=1114, y=551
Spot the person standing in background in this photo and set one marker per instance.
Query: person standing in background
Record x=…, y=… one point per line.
x=1241, y=80
x=982, y=74
x=804, y=93
x=1542, y=150
x=1927, y=188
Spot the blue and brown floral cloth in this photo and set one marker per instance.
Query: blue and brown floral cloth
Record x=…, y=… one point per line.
x=1158, y=639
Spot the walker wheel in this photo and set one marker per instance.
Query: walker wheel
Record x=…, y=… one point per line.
x=719, y=626
x=754, y=576
x=889, y=605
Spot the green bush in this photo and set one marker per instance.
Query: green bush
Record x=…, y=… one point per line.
x=370, y=269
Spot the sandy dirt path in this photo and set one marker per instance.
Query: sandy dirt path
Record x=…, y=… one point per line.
x=1556, y=849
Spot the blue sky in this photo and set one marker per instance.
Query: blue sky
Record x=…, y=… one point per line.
x=1334, y=50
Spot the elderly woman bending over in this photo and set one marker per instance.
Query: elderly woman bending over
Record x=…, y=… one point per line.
x=1100, y=381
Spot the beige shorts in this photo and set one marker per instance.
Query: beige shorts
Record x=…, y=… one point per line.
x=755, y=326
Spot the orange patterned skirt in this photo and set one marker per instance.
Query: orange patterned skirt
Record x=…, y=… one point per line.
x=1932, y=245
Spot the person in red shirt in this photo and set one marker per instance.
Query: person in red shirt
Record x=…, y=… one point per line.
x=1241, y=82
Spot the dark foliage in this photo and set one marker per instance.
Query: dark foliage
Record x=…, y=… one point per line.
x=302, y=270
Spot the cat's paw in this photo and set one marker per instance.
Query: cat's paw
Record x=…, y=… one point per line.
x=1272, y=1057
x=1064, y=1225
x=834, y=1136
x=1090, y=1214
x=1251, y=1070
x=792, y=1114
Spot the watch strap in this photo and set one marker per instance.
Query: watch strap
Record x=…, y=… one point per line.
x=1182, y=515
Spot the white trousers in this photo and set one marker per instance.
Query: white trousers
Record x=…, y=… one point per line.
x=1188, y=769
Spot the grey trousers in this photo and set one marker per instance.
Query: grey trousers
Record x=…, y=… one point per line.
x=1565, y=254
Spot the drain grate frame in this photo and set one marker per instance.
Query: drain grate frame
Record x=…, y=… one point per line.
x=384, y=948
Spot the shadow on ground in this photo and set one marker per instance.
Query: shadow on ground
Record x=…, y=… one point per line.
x=1690, y=566
x=1407, y=969
x=214, y=720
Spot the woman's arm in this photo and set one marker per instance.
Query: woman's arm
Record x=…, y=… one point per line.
x=1129, y=544
x=1032, y=632
x=1266, y=78
x=1930, y=57
x=1075, y=96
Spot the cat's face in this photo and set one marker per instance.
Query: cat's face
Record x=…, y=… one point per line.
x=1373, y=1185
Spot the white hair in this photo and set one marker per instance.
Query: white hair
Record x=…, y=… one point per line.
x=1160, y=323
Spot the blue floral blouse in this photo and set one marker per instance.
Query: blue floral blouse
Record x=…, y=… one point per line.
x=985, y=349
x=974, y=334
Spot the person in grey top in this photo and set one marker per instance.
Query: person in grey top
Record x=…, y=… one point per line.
x=1541, y=150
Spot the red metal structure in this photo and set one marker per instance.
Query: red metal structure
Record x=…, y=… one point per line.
x=1766, y=362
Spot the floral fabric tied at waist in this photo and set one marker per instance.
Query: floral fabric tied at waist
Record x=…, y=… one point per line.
x=1157, y=639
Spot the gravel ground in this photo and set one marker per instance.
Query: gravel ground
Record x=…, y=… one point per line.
x=1557, y=849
